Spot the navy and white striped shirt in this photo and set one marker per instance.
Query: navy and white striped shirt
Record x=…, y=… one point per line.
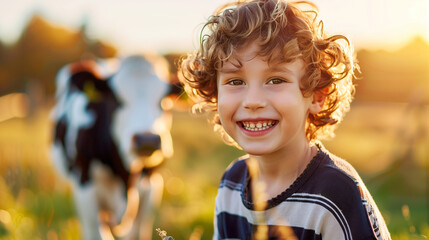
x=327, y=201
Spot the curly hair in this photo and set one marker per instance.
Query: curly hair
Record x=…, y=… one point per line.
x=285, y=32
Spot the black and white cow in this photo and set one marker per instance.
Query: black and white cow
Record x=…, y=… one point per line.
x=110, y=133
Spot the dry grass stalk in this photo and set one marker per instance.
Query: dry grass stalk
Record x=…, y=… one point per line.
x=259, y=197
x=196, y=234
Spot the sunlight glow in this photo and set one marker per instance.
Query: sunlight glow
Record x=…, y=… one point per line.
x=174, y=25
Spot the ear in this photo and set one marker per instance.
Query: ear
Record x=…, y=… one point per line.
x=82, y=72
x=317, y=102
x=90, y=85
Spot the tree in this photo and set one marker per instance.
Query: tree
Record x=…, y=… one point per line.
x=41, y=50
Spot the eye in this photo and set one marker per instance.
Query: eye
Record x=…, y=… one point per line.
x=276, y=81
x=235, y=82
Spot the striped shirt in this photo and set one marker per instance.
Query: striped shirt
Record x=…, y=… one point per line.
x=327, y=201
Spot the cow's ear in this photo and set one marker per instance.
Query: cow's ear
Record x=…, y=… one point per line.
x=85, y=77
x=78, y=80
x=82, y=72
x=96, y=88
x=89, y=84
x=91, y=92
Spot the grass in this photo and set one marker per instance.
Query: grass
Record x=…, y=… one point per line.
x=36, y=203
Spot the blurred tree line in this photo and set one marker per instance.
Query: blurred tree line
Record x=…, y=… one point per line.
x=42, y=49
x=395, y=76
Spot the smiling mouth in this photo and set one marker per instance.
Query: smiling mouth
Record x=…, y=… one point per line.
x=258, y=125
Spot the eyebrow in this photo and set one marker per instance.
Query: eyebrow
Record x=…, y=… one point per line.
x=233, y=68
x=277, y=68
x=230, y=70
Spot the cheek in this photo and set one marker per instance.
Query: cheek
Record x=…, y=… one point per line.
x=291, y=105
x=226, y=114
x=222, y=109
x=226, y=103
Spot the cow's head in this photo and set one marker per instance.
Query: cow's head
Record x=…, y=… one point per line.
x=141, y=125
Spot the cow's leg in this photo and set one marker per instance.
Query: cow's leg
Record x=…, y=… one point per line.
x=148, y=195
x=150, y=189
x=111, y=193
x=87, y=210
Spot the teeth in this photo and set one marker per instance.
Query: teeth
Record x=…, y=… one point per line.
x=258, y=126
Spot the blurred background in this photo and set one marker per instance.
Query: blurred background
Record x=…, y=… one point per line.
x=385, y=135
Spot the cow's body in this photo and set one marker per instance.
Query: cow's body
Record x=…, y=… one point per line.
x=110, y=132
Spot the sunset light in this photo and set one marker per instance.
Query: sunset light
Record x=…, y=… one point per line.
x=163, y=26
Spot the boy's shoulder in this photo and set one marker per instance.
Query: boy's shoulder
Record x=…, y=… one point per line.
x=335, y=175
x=341, y=165
x=338, y=181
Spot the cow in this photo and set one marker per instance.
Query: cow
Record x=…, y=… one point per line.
x=111, y=132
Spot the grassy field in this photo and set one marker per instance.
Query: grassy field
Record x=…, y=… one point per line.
x=387, y=143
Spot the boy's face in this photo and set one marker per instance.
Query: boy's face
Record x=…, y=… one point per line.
x=260, y=105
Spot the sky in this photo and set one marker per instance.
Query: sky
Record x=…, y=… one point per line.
x=163, y=26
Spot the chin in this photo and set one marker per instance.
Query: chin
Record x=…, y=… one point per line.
x=256, y=151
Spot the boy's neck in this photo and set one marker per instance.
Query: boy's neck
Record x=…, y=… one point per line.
x=278, y=173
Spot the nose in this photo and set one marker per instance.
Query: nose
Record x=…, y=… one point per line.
x=254, y=98
x=146, y=143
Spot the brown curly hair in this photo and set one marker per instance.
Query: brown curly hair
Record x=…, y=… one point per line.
x=285, y=32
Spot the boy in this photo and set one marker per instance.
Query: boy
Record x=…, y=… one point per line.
x=277, y=84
